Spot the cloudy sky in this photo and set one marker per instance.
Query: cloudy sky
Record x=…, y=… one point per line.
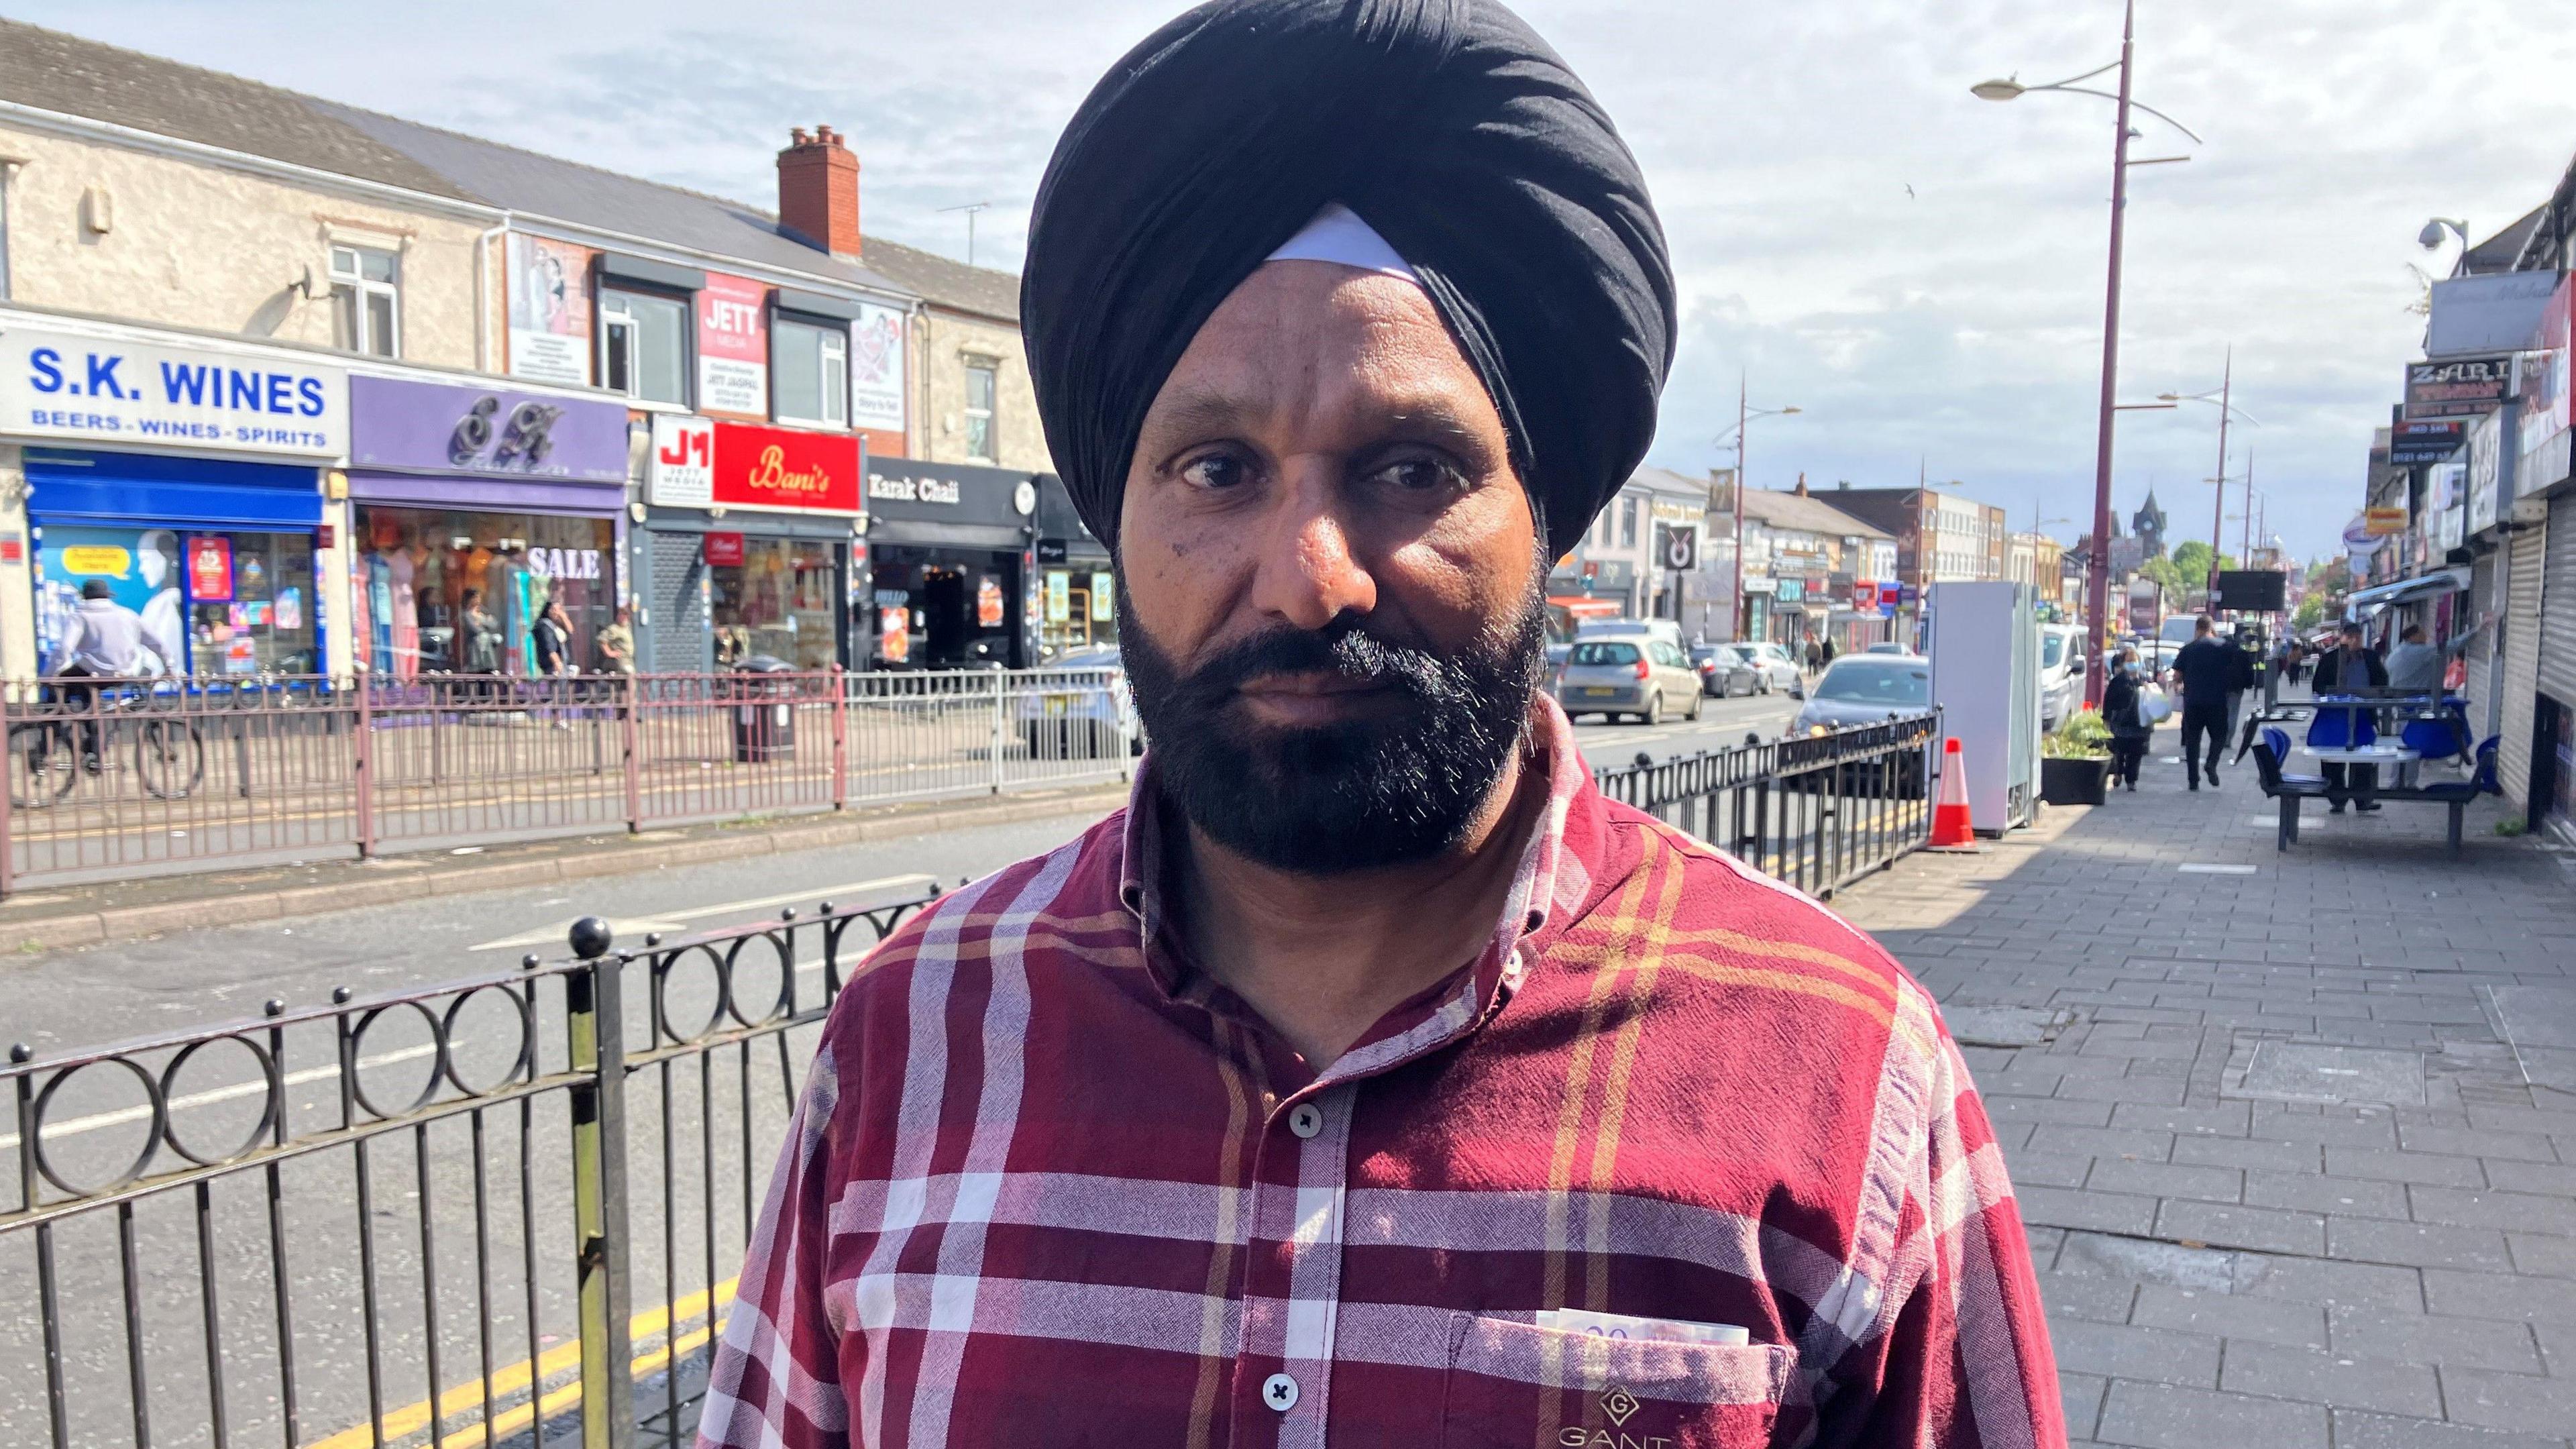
x=1918, y=271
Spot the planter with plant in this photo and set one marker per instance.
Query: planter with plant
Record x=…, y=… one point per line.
x=2075, y=761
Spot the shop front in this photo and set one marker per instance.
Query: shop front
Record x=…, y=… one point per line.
x=953, y=565
x=471, y=509
x=1077, y=591
x=189, y=478
x=749, y=537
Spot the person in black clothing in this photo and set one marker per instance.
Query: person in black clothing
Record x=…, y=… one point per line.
x=2129, y=732
x=2352, y=666
x=2204, y=669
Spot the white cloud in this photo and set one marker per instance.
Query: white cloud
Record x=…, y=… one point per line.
x=1960, y=326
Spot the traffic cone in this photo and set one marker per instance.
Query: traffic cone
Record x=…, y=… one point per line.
x=1951, y=827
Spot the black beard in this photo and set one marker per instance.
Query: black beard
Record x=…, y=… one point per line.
x=1344, y=797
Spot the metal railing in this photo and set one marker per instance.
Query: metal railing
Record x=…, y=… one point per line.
x=113, y=780
x=1815, y=811
x=476, y=1213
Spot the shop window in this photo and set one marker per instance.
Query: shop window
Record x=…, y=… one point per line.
x=1080, y=611
x=366, y=300
x=979, y=409
x=644, y=345
x=213, y=603
x=782, y=600
x=1627, y=523
x=809, y=366
x=443, y=592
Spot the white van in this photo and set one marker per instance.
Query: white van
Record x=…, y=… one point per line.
x=1668, y=630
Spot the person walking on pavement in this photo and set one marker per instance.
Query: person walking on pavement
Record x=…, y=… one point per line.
x=2130, y=730
x=552, y=635
x=481, y=656
x=2203, y=669
x=2352, y=665
x=1814, y=662
x=103, y=640
x=617, y=644
x=1825, y=651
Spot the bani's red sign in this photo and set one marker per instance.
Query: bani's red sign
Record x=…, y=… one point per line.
x=785, y=470
x=210, y=568
x=724, y=550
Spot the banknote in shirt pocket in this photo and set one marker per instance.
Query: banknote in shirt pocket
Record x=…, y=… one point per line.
x=1520, y=1385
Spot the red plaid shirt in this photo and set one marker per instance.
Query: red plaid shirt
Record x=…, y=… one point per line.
x=1050, y=1185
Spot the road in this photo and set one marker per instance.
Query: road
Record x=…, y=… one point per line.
x=455, y=1185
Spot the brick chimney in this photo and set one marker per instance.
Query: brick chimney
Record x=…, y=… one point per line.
x=818, y=191
x=1802, y=485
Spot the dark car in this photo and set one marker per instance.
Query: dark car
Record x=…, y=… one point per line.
x=1723, y=672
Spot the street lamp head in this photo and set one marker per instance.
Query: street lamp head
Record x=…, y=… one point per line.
x=1997, y=90
x=1784, y=412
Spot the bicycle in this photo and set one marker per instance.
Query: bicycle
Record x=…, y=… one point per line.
x=45, y=754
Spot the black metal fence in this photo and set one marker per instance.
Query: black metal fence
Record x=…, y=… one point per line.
x=1815, y=811
x=500, y=1210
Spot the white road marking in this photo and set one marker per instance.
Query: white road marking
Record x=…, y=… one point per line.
x=632, y=929
x=212, y=1095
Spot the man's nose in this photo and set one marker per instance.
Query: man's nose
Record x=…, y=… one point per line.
x=1309, y=573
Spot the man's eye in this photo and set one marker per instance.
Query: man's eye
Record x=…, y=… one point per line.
x=1216, y=471
x=1419, y=475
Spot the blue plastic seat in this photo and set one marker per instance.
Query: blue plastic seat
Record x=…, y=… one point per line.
x=2276, y=741
x=2431, y=739
x=2341, y=728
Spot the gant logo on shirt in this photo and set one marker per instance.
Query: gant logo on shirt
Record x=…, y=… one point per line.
x=1618, y=1404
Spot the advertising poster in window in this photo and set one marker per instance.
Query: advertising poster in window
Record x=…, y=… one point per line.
x=876, y=369
x=733, y=346
x=549, y=309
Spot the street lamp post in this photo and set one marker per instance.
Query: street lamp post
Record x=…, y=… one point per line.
x=2223, y=397
x=2098, y=560
x=1745, y=413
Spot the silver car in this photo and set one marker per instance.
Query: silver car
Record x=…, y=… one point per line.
x=1778, y=670
x=1860, y=689
x=1639, y=678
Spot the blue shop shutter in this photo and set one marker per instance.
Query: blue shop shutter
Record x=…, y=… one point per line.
x=150, y=488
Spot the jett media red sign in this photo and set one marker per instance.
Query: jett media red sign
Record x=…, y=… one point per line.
x=786, y=470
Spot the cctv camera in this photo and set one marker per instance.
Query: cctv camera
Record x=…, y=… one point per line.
x=2430, y=238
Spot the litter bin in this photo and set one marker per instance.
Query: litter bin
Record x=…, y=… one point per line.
x=764, y=711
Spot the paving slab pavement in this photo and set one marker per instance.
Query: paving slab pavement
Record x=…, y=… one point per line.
x=2294, y=1132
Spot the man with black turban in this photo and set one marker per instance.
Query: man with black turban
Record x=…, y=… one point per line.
x=1370, y=1079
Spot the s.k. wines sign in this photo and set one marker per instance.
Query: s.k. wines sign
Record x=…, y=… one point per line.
x=778, y=469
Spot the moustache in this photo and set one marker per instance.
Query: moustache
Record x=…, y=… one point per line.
x=1345, y=648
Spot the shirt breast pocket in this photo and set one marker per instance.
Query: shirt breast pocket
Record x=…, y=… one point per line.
x=1518, y=1385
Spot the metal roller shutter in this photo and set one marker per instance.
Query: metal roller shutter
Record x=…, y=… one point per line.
x=2557, y=672
x=683, y=638
x=2526, y=556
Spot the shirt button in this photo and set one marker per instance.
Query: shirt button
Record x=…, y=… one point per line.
x=1280, y=1392
x=1305, y=1119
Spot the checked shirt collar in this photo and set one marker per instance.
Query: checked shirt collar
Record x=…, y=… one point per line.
x=1548, y=887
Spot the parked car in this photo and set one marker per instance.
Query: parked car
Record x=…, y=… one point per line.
x=1078, y=721
x=1639, y=678
x=1862, y=689
x=1724, y=672
x=1887, y=646
x=2061, y=673
x=1779, y=671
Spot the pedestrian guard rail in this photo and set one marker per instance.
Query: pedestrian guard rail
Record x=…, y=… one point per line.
x=503, y=1209
x=115, y=779
x=1813, y=811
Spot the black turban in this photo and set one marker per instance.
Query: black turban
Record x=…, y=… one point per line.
x=1450, y=128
